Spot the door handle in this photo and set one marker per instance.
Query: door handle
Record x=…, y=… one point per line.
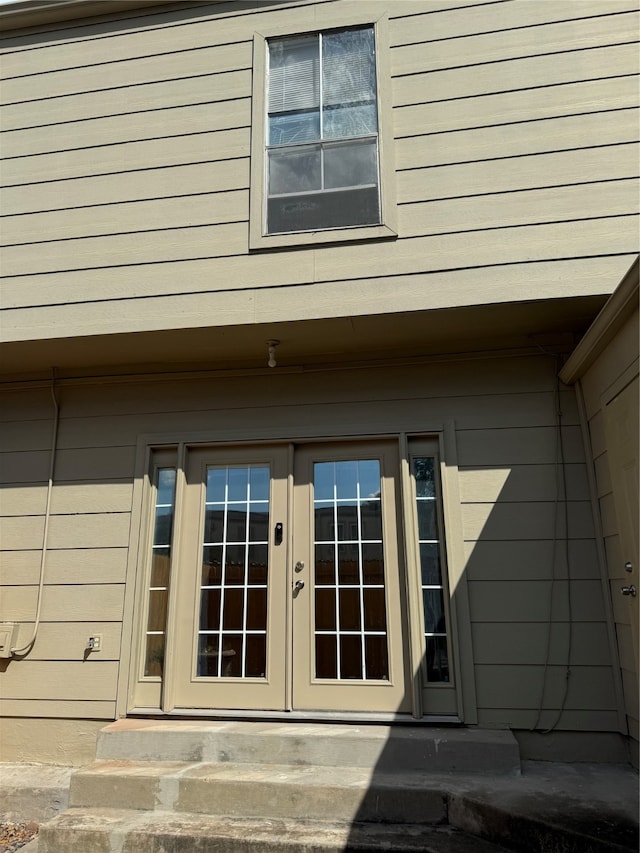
x=298, y=585
x=629, y=590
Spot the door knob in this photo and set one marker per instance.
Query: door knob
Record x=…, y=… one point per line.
x=298, y=585
x=629, y=590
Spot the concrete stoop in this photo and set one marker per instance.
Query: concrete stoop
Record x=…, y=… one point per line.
x=125, y=831
x=230, y=787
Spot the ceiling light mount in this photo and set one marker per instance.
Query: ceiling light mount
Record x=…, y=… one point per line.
x=271, y=349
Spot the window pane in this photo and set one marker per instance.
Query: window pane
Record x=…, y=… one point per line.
x=341, y=121
x=377, y=660
x=210, y=610
x=433, y=603
x=430, y=564
x=216, y=485
x=258, y=563
x=326, y=656
x=427, y=520
x=329, y=209
x=348, y=568
x=256, y=656
x=348, y=67
x=211, y=565
x=372, y=564
x=325, y=610
x=423, y=471
x=234, y=565
x=437, y=659
x=288, y=128
x=323, y=473
x=164, y=521
x=294, y=170
x=166, y=485
x=350, y=609
x=256, y=609
x=325, y=564
x=154, y=658
x=351, y=164
x=238, y=479
x=375, y=617
x=346, y=479
x=294, y=74
x=350, y=656
x=259, y=484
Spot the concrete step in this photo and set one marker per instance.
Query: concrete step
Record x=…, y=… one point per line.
x=106, y=830
x=287, y=792
x=387, y=748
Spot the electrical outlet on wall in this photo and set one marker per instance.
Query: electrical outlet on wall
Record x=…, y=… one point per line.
x=94, y=643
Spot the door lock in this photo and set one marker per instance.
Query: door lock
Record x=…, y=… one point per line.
x=298, y=585
x=629, y=590
x=299, y=566
x=628, y=567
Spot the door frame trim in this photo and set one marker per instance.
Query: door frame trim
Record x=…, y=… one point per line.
x=181, y=441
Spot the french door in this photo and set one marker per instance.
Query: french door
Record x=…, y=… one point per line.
x=288, y=592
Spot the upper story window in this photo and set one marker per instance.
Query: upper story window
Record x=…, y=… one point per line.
x=321, y=158
x=322, y=132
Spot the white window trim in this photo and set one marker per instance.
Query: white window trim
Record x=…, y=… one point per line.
x=323, y=21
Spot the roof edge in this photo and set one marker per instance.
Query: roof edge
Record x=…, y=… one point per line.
x=603, y=329
x=23, y=14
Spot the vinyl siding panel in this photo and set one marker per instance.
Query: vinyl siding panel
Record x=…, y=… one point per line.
x=510, y=122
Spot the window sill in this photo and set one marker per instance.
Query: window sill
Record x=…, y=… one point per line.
x=263, y=242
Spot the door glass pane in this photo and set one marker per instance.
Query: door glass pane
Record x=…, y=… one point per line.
x=350, y=602
x=235, y=572
x=433, y=600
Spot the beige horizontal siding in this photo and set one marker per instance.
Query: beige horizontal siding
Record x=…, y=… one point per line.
x=71, y=709
x=527, y=520
x=557, y=133
x=66, y=531
x=504, y=560
x=63, y=603
x=128, y=99
x=571, y=720
x=512, y=447
x=521, y=483
x=38, y=680
x=409, y=28
x=591, y=96
x=520, y=687
x=411, y=256
x=528, y=601
x=67, y=498
x=530, y=643
x=510, y=44
x=427, y=291
x=75, y=566
x=76, y=464
x=181, y=150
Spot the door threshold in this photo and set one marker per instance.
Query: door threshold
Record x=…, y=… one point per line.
x=302, y=716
